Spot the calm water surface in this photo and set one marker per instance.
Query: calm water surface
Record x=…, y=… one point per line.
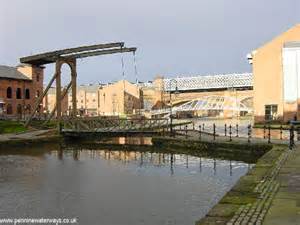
x=113, y=187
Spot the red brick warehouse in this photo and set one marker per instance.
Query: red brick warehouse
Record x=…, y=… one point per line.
x=19, y=87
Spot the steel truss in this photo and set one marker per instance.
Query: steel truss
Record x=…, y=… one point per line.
x=213, y=102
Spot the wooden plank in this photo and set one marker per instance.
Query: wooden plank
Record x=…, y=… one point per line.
x=48, y=56
x=102, y=52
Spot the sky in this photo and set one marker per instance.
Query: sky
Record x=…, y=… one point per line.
x=173, y=37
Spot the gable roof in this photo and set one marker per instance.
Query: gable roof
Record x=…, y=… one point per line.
x=280, y=37
x=11, y=73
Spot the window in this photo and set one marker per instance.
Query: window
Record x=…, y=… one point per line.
x=9, y=109
x=271, y=112
x=37, y=77
x=27, y=93
x=37, y=93
x=19, y=93
x=9, y=92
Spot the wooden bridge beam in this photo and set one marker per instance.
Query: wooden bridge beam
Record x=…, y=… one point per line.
x=40, y=99
x=74, y=88
x=62, y=97
x=58, y=89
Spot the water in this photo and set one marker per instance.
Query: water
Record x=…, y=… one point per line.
x=112, y=187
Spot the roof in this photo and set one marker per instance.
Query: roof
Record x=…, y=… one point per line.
x=89, y=88
x=295, y=28
x=12, y=73
x=221, y=81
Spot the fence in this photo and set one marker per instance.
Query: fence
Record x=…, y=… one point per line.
x=281, y=135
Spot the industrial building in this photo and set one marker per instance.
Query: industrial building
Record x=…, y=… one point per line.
x=276, y=72
x=19, y=87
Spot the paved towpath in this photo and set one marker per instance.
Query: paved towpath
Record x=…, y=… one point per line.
x=285, y=207
x=28, y=135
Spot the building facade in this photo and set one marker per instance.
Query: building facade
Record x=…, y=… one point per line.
x=276, y=71
x=120, y=98
x=19, y=88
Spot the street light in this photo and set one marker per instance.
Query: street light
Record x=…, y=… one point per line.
x=171, y=117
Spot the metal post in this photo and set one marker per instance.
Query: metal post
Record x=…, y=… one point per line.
x=199, y=132
x=281, y=132
x=230, y=132
x=203, y=126
x=237, y=130
x=225, y=129
x=249, y=133
x=269, y=134
x=291, y=137
x=171, y=125
x=264, y=131
x=214, y=131
x=186, y=131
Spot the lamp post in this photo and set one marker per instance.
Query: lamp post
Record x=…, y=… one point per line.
x=171, y=117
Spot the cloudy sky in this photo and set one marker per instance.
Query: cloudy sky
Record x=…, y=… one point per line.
x=173, y=37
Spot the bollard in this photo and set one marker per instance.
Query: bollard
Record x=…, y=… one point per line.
x=269, y=134
x=186, y=131
x=199, y=132
x=249, y=133
x=214, y=131
x=291, y=137
x=230, y=132
x=225, y=130
x=203, y=126
x=237, y=130
x=281, y=132
x=264, y=131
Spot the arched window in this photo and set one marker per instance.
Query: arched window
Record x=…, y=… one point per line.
x=18, y=93
x=9, y=92
x=37, y=93
x=9, y=109
x=27, y=93
x=19, y=109
x=37, y=77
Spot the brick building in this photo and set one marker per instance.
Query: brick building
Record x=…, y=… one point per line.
x=19, y=88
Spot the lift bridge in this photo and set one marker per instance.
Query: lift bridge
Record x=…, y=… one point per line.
x=72, y=125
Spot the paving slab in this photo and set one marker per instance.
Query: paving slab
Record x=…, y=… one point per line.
x=285, y=208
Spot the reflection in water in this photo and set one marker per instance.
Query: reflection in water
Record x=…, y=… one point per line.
x=128, y=140
x=114, y=187
x=145, y=159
